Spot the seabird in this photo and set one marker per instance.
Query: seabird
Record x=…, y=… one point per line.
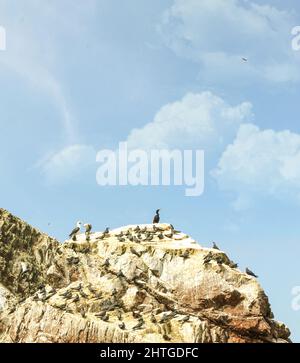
x=105, y=318
x=75, y=231
x=137, y=229
x=139, y=325
x=156, y=273
x=77, y=288
x=100, y=315
x=215, y=247
x=83, y=312
x=120, y=274
x=161, y=236
x=250, y=273
x=233, y=264
x=244, y=59
x=106, y=230
x=136, y=240
x=132, y=250
x=88, y=227
x=120, y=239
x=136, y=314
x=153, y=319
x=208, y=258
x=83, y=294
x=119, y=315
x=156, y=218
x=185, y=255
x=106, y=263
x=114, y=292
x=66, y=295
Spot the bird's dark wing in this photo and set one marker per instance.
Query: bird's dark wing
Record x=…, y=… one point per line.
x=75, y=230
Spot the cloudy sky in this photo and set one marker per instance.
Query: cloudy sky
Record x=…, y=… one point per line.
x=81, y=76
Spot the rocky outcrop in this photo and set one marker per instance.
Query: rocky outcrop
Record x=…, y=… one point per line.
x=135, y=284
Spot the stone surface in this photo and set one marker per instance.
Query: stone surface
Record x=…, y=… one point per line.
x=167, y=289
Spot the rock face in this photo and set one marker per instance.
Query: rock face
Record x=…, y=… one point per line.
x=135, y=284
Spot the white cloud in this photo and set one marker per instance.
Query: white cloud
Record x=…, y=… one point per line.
x=260, y=162
x=68, y=164
x=217, y=34
x=201, y=120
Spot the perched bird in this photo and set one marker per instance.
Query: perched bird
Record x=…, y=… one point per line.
x=156, y=218
x=153, y=319
x=185, y=255
x=250, y=273
x=233, y=264
x=139, y=325
x=207, y=258
x=161, y=236
x=91, y=289
x=215, y=247
x=75, y=231
x=136, y=314
x=83, y=294
x=106, y=263
x=131, y=239
x=132, y=250
x=106, y=231
x=105, y=318
x=137, y=229
x=100, y=315
x=119, y=315
x=156, y=273
x=149, y=238
x=88, y=227
x=120, y=274
x=66, y=295
x=122, y=326
x=77, y=288
x=120, y=239
x=169, y=235
x=114, y=292
x=136, y=240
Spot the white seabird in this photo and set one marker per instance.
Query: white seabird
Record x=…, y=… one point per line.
x=75, y=230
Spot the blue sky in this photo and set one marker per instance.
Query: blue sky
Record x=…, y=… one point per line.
x=81, y=76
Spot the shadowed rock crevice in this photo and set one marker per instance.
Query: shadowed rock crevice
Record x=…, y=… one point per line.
x=135, y=284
